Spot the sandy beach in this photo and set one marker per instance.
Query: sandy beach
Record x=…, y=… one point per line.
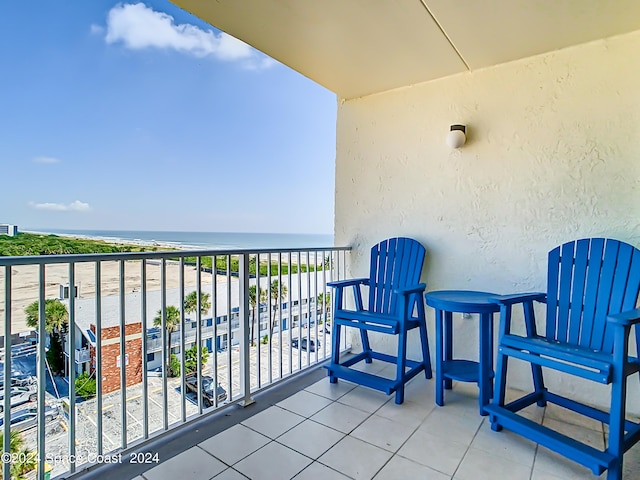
x=24, y=283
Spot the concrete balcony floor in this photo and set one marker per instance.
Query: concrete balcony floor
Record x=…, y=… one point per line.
x=344, y=431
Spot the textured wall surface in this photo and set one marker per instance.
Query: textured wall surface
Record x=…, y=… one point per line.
x=552, y=154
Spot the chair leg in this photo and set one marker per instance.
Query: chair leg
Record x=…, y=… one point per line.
x=500, y=388
x=616, y=422
x=401, y=366
x=335, y=351
x=426, y=356
x=538, y=384
x=536, y=370
x=364, y=336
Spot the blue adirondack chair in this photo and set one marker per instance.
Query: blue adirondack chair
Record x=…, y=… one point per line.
x=592, y=290
x=395, y=306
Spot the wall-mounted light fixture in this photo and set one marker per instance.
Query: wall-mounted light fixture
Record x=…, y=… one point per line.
x=456, y=136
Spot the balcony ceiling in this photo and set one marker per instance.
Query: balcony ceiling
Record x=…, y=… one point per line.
x=359, y=47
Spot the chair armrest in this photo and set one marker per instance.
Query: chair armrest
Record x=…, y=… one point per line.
x=628, y=318
x=348, y=283
x=414, y=289
x=519, y=298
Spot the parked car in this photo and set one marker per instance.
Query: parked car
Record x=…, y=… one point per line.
x=28, y=418
x=19, y=395
x=313, y=345
x=20, y=380
x=208, y=395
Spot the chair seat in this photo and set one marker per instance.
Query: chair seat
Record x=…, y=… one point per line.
x=581, y=361
x=371, y=321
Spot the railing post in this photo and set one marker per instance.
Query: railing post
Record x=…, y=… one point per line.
x=245, y=344
x=41, y=359
x=6, y=410
x=71, y=345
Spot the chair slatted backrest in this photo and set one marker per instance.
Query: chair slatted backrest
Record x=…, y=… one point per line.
x=395, y=263
x=588, y=280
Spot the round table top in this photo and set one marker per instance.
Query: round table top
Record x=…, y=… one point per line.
x=462, y=301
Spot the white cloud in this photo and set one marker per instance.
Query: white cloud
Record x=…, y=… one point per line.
x=139, y=27
x=46, y=160
x=76, y=206
x=97, y=29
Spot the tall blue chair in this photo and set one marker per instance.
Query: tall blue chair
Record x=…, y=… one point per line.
x=592, y=290
x=395, y=306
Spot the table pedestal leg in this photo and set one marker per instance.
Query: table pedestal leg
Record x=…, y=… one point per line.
x=439, y=358
x=485, y=377
x=448, y=345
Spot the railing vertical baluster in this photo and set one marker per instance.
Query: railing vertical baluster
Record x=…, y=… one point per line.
x=315, y=302
x=308, y=276
x=258, y=322
x=123, y=358
x=214, y=315
x=71, y=343
x=300, y=329
x=280, y=298
x=145, y=373
x=41, y=359
x=323, y=307
x=229, y=347
x=245, y=348
x=166, y=337
x=6, y=466
x=183, y=376
x=270, y=322
x=98, y=356
x=290, y=310
x=200, y=400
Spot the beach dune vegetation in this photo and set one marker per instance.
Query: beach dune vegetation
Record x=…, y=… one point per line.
x=29, y=244
x=230, y=264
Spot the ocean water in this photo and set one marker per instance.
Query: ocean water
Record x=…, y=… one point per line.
x=202, y=240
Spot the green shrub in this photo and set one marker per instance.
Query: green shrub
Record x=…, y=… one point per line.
x=191, y=359
x=85, y=385
x=174, y=366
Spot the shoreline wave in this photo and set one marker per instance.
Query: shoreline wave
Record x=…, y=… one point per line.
x=196, y=240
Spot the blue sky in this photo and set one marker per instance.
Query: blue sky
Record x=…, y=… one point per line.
x=139, y=116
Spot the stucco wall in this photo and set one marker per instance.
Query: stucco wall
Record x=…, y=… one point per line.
x=552, y=154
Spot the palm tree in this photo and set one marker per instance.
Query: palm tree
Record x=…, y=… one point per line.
x=25, y=460
x=277, y=293
x=191, y=302
x=55, y=313
x=56, y=325
x=173, y=320
x=324, y=300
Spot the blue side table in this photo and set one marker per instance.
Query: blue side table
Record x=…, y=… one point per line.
x=445, y=303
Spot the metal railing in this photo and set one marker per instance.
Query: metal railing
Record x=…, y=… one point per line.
x=242, y=333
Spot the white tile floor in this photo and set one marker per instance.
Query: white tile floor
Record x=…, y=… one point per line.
x=344, y=431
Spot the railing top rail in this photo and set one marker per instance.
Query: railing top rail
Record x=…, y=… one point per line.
x=168, y=254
